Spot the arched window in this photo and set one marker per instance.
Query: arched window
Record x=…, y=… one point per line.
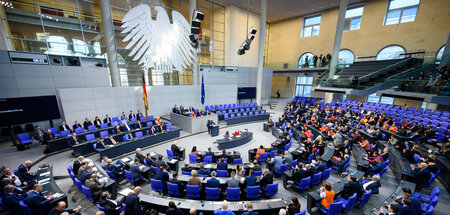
x=345, y=58
x=439, y=54
x=302, y=60
x=391, y=52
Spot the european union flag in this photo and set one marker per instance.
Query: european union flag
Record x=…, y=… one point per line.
x=203, y=91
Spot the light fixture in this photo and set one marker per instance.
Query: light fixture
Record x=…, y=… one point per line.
x=246, y=44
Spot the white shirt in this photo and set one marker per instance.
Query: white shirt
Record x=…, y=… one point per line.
x=17, y=182
x=367, y=184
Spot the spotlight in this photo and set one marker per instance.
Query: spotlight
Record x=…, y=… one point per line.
x=195, y=23
x=198, y=15
x=253, y=30
x=241, y=51
x=248, y=41
x=195, y=30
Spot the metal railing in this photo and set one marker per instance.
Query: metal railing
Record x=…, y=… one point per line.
x=416, y=86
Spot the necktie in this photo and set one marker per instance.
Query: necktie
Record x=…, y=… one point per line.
x=40, y=133
x=113, y=141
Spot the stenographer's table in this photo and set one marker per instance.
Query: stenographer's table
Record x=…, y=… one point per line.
x=45, y=177
x=233, y=142
x=251, y=118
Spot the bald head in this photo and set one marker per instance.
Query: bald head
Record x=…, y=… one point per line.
x=61, y=206
x=137, y=190
x=193, y=211
x=28, y=163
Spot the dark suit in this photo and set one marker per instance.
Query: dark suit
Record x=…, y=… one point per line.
x=149, y=161
x=251, y=213
x=374, y=187
x=267, y=179
x=422, y=175
x=56, y=212
x=180, y=185
x=86, y=124
x=203, y=172
x=222, y=166
x=163, y=176
x=131, y=116
x=250, y=181
x=48, y=137
x=213, y=183
x=36, y=201
x=76, y=167
x=61, y=128
x=100, y=145
x=159, y=163
x=107, y=120
x=95, y=187
x=73, y=141
x=12, y=201
x=176, y=151
x=126, y=128
x=351, y=188
x=109, y=206
x=84, y=176
x=115, y=170
x=310, y=172
x=133, y=206
x=321, y=167
x=186, y=169
x=23, y=173
x=75, y=126
x=141, y=157
x=38, y=135
x=299, y=175
x=408, y=210
x=172, y=211
x=137, y=172
x=209, y=124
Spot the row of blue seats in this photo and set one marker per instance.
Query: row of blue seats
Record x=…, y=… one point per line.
x=230, y=106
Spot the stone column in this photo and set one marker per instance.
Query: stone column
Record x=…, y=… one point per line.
x=108, y=30
x=262, y=37
x=338, y=38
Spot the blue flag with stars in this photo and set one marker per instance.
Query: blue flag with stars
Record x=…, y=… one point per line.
x=203, y=91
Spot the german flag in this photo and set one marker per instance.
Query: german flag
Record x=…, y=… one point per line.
x=144, y=92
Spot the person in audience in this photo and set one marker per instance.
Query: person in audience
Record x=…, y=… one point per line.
x=266, y=178
x=64, y=127
x=378, y=167
x=407, y=208
x=209, y=152
x=125, y=127
x=117, y=130
x=12, y=199
x=414, y=202
x=393, y=128
x=16, y=180
x=97, y=122
x=139, y=155
x=101, y=144
x=115, y=169
x=173, y=210
x=373, y=184
x=310, y=171
x=193, y=211
x=123, y=116
x=240, y=172
x=94, y=186
x=213, y=182
x=250, y=210
x=37, y=201
x=129, y=136
x=421, y=174
x=385, y=154
x=409, y=153
x=287, y=157
x=372, y=160
x=327, y=195
x=24, y=171
x=138, y=125
x=259, y=151
x=104, y=161
x=152, y=130
x=194, y=179
x=48, y=136
x=160, y=162
x=176, y=150
x=83, y=167
x=139, y=114
x=223, y=210
x=195, y=152
x=38, y=134
x=351, y=187
x=393, y=209
x=250, y=180
x=107, y=119
x=222, y=165
x=174, y=180
x=430, y=160
x=76, y=125
x=365, y=145
x=149, y=160
x=111, y=140
x=277, y=161
x=111, y=206
x=226, y=135
x=299, y=173
x=282, y=211
x=293, y=207
x=256, y=167
x=186, y=168
x=74, y=140
x=87, y=123
x=203, y=171
x=132, y=202
x=131, y=115
x=233, y=182
x=77, y=164
x=321, y=166
x=86, y=174
x=163, y=176
x=135, y=169
x=233, y=157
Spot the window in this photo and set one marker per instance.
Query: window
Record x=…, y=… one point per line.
x=311, y=26
x=400, y=11
x=345, y=58
x=306, y=57
x=439, y=55
x=391, y=52
x=353, y=18
x=387, y=100
x=373, y=98
x=303, y=86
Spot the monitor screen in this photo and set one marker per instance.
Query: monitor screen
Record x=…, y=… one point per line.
x=246, y=92
x=28, y=109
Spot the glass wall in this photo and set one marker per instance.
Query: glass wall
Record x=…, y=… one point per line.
x=353, y=18
x=303, y=86
x=74, y=27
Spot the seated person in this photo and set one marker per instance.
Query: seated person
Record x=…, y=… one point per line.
x=86, y=174
x=340, y=164
x=310, y=171
x=115, y=169
x=12, y=199
x=116, y=129
x=373, y=184
x=37, y=201
x=94, y=186
x=17, y=181
x=372, y=160
x=250, y=180
x=299, y=173
x=163, y=176
x=76, y=125
x=351, y=187
x=138, y=125
x=128, y=136
x=236, y=133
x=174, y=180
x=233, y=157
x=74, y=140
x=194, y=179
x=152, y=130
x=101, y=143
x=233, y=182
x=160, y=162
x=125, y=127
x=327, y=195
x=203, y=172
x=240, y=171
x=266, y=178
x=87, y=123
x=195, y=152
x=226, y=135
x=149, y=160
x=139, y=155
x=111, y=140
x=260, y=150
x=392, y=209
x=321, y=166
x=186, y=168
x=213, y=182
x=421, y=174
x=374, y=169
x=223, y=210
x=277, y=161
x=365, y=145
x=111, y=206
x=222, y=165
x=24, y=171
x=135, y=169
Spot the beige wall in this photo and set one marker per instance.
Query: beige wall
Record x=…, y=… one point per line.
x=428, y=32
x=357, y=98
x=286, y=85
x=235, y=33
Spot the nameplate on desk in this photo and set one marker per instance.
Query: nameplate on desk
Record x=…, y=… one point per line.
x=57, y=195
x=125, y=191
x=44, y=174
x=43, y=180
x=125, y=160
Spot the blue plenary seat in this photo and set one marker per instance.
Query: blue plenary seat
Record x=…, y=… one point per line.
x=222, y=173
x=271, y=190
x=89, y=137
x=334, y=208
x=192, y=158
x=233, y=194
x=173, y=189
x=348, y=203
x=253, y=192
x=131, y=178
x=79, y=130
x=91, y=128
x=87, y=193
x=169, y=154
x=157, y=185
x=207, y=160
x=24, y=138
x=192, y=191
x=65, y=133
x=212, y=193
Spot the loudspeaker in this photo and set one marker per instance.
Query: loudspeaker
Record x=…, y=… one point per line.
x=195, y=30
x=198, y=15
x=195, y=23
x=241, y=51
x=253, y=30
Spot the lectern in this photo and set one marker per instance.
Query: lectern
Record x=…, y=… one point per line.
x=214, y=130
